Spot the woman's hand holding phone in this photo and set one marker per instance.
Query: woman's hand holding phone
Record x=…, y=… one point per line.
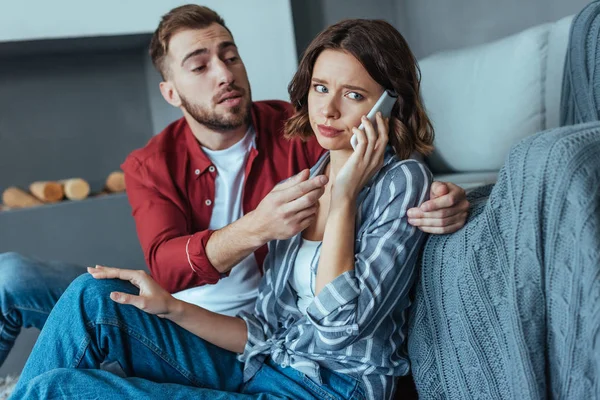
x=365, y=161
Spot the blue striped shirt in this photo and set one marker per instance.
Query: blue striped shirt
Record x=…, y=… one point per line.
x=357, y=324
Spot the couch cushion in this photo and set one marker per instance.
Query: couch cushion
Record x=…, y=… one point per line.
x=468, y=180
x=484, y=99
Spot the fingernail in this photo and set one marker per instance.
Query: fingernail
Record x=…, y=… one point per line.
x=411, y=213
x=115, y=296
x=324, y=179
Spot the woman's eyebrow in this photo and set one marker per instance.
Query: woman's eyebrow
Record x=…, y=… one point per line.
x=351, y=87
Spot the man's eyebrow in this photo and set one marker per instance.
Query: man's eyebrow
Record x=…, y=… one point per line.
x=226, y=44
x=194, y=53
x=197, y=52
x=351, y=87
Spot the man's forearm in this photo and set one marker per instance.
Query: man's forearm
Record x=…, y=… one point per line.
x=231, y=244
x=229, y=333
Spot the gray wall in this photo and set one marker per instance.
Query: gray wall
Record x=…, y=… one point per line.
x=70, y=114
x=430, y=26
x=312, y=16
x=434, y=25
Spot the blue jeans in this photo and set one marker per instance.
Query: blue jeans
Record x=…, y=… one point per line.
x=92, y=346
x=28, y=290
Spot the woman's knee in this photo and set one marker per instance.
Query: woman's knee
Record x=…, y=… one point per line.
x=87, y=289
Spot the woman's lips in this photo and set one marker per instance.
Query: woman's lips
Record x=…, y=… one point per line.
x=328, y=131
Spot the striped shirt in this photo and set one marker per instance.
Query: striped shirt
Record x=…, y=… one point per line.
x=356, y=325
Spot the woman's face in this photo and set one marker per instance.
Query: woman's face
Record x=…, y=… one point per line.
x=341, y=92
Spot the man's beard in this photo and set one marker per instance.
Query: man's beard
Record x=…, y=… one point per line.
x=237, y=117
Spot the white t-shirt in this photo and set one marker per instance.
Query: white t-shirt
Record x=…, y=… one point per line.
x=238, y=291
x=303, y=274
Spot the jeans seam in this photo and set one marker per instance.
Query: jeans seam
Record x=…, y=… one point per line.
x=146, y=342
x=81, y=351
x=358, y=393
x=313, y=387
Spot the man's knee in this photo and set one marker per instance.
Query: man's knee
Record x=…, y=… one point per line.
x=15, y=270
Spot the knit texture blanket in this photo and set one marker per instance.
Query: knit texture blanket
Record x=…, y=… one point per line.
x=509, y=306
x=580, y=96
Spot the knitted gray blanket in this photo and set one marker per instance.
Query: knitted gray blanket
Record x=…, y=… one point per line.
x=509, y=306
x=580, y=96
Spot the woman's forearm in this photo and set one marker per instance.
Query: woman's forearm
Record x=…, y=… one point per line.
x=229, y=333
x=337, y=251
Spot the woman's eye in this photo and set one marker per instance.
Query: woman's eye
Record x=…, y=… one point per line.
x=199, y=68
x=320, y=88
x=231, y=60
x=355, y=96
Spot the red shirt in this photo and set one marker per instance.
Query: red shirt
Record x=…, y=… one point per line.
x=171, y=189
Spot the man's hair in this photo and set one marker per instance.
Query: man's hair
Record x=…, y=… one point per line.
x=384, y=53
x=190, y=16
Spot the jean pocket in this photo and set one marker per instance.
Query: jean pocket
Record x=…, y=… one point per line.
x=335, y=386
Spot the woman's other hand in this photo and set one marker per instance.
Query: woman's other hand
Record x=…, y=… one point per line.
x=152, y=298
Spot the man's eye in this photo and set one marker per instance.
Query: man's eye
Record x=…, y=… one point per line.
x=199, y=68
x=355, y=96
x=320, y=88
x=231, y=60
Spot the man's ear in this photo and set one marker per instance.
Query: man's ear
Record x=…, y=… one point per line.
x=169, y=93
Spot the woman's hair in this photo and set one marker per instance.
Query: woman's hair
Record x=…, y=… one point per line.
x=384, y=53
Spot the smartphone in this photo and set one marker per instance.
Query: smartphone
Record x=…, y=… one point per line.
x=384, y=104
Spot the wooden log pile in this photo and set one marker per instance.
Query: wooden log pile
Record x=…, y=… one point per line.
x=47, y=192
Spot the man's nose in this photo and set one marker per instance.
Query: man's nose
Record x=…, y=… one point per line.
x=223, y=73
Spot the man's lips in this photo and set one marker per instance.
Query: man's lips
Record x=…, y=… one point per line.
x=328, y=131
x=229, y=96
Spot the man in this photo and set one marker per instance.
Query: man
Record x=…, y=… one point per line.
x=203, y=191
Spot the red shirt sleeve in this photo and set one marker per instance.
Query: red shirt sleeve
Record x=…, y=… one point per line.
x=176, y=257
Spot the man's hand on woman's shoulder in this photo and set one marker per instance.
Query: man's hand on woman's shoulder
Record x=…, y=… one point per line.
x=444, y=212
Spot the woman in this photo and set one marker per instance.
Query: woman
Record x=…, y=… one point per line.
x=329, y=321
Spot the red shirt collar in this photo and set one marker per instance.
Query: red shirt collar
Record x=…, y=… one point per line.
x=199, y=160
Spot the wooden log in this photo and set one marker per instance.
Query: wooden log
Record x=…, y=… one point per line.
x=102, y=193
x=75, y=188
x=47, y=191
x=14, y=197
x=115, y=182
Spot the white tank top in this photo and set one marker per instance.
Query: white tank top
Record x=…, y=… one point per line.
x=303, y=275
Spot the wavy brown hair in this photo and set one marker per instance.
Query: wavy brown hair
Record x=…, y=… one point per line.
x=384, y=53
x=189, y=16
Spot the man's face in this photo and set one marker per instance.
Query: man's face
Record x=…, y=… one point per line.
x=209, y=78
